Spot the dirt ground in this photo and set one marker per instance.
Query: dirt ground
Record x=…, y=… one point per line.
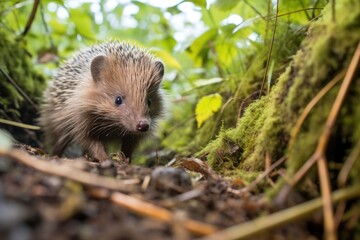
x=166, y=202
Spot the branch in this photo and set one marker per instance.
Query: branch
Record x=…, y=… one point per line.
x=282, y=218
x=68, y=172
x=18, y=88
x=319, y=154
x=271, y=47
x=31, y=18
x=150, y=210
x=21, y=125
x=311, y=104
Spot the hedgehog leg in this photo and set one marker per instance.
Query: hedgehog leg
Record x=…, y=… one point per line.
x=96, y=150
x=129, y=143
x=59, y=146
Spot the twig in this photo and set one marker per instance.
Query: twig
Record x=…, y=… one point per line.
x=330, y=229
x=311, y=104
x=254, y=9
x=244, y=101
x=319, y=155
x=21, y=125
x=345, y=170
x=333, y=18
x=217, y=62
x=46, y=26
x=66, y=171
x=306, y=13
x=270, y=50
x=264, y=174
x=150, y=210
x=270, y=17
x=31, y=18
x=329, y=221
x=17, y=88
x=342, y=179
x=282, y=218
x=310, y=162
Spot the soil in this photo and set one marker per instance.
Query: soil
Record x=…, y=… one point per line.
x=38, y=205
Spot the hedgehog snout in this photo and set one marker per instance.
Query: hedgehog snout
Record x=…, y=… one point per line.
x=142, y=126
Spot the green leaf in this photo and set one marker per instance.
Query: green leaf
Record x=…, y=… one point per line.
x=201, y=44
x=82, y=22
x=200, y=3
x=206, y=82
x=58, y=27
x=168, y=59
x=226, y=4
x=206, y=107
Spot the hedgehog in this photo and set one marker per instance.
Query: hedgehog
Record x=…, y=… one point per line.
x=108, y=93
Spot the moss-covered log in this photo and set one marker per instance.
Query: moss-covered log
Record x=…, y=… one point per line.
x=18, y=81
x=265, y=127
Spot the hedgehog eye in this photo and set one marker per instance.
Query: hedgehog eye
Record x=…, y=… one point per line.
x=118, y=100
x=149, y=102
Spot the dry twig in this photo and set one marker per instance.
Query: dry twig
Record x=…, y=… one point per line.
x=66, y=171
x=150, y=210
x=319, y=154
x=22, y=93
x=32, y=17
x=311, y=105
x=342, y=179
x=282, y=218
x=270, y=50
x=264, y=174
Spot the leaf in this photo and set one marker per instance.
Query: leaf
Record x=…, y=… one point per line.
x=206, y=107
x=200, y=3
x=206, y=82
x=201, y=44
x=58, y=27
x=226, y=4
x=82, y=22
x=168, y=59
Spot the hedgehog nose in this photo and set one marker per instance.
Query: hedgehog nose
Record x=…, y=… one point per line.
x=142, y=126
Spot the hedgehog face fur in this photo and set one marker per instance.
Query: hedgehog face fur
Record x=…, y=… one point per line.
x=108, y=92
x=124, y=94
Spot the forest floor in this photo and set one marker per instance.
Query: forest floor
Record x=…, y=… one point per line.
x=59, y=198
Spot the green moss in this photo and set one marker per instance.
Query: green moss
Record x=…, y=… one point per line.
x=266, y=125
x=15, y=61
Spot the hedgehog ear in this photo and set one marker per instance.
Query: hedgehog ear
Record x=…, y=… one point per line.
x=159, y=66
x=97, y=65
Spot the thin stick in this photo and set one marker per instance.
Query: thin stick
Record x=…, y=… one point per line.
x=329, y=221
x=324, y=138
x=319, y=155
x=66, y=171
x=342, y=179
x=264, y=174
x=254, y=9
x=311, y=105
x=330, y=121
x=270, y=51
x=150, y=210
x=31, y=18
x=282, y=218
x=27, y=98
x=345, y=170
x=21, y=125
x=292, y=12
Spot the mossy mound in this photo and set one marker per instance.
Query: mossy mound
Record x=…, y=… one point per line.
x=265, y=127
x=16, y=63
